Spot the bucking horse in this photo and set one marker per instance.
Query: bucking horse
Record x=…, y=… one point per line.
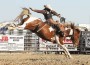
x=46, y=32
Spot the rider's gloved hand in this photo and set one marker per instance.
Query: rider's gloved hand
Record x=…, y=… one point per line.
x=31, y=8
x=59, y=15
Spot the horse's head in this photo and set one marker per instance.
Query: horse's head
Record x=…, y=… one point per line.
x=76, y=34
x=73, y=31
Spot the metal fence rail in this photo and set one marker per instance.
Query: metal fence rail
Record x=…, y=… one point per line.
x=30, y=39
x=32, y=42
x=85, y=41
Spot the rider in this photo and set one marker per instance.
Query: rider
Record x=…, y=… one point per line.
x=48, y=12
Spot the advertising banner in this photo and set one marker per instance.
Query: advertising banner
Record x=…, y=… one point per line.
x=49, y=46
x=11, y=43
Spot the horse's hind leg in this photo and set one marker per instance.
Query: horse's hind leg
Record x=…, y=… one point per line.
x=60, y=42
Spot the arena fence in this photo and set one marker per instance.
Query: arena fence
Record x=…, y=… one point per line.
x=29, y=42
x=25, y=40
x=18, y=40
x=85, y=42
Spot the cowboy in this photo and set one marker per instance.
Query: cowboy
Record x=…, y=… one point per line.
x=48, y=12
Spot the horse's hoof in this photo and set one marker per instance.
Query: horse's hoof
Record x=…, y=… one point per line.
x=71, y=58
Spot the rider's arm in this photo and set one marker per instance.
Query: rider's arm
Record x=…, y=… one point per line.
x=38, y=11
x=55, y=13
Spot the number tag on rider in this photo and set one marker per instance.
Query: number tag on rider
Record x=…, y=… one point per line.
x=47, y=12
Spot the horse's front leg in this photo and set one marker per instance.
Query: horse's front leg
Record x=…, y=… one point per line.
x=60, y=42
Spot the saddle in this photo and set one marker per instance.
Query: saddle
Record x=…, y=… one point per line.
x=56, y=27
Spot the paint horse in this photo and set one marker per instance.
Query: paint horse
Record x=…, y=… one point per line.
x=46, y=32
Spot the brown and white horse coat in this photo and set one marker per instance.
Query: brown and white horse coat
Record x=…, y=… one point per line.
x=45, y=31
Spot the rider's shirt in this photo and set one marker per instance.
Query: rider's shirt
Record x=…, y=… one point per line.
x=47, y=14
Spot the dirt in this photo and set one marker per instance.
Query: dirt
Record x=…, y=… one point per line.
x=42, y=59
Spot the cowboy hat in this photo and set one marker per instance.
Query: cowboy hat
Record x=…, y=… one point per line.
x=48, y=6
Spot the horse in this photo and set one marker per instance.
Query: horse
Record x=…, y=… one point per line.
x=46, y=32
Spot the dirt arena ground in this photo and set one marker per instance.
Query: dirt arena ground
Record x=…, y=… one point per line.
x=42, y=59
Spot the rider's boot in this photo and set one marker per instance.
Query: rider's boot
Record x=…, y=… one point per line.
x=58, y=31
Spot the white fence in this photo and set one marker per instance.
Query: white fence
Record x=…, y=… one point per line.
x=49, y=46
x=11, y=43
x=18, y=40
x=30, y=42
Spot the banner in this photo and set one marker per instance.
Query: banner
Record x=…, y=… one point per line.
x=49, y=46
x=11, y=43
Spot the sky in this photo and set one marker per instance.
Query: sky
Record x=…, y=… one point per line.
x=77, y=11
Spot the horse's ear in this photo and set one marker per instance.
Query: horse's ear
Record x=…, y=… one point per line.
x=72, y=25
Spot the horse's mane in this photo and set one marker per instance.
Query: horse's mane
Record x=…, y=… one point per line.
x=77, y=30
x=72, y=26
